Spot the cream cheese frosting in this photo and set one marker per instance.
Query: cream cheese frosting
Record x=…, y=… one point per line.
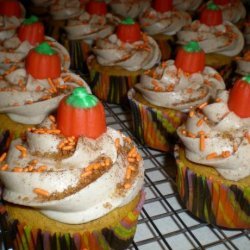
x=13, y=51
x=169, y=87
x=233, y=12
x=90, y=27
x=226, y=145
x=28, y=100
x=142, y=54
x=63, y=9
x=129, y=8
x=225, y=39
x=187, y=5
x=76, y=192
x=243, y=64
x=168, y=23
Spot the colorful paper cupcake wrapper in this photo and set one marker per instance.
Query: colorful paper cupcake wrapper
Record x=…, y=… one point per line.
x=117, y=237
x=155, y=127
x=211, y=200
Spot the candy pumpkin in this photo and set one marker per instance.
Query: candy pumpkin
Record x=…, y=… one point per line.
x=96, y=8
x=190, y=58
x=211, y=15
x=239, y=97
x=31, y=30
x=128, y=31
x=43, y=62
x=81, y=114
x=10, y=8
x=162, y=5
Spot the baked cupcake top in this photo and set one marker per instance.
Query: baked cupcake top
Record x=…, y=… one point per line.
x=212, y=33
x=12, y=14
x=29, y=34
x=217, y=134
x=243, y=64
x=129, y=8
x=179, y=84
x=73, y=175
x=95, y=22
x=128, y=48
x=232, y=11
x=161, y=18
x=28, y=94
x=63, y=9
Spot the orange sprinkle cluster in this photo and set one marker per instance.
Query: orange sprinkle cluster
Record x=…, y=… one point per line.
x=67, y=144
x=22, y=150
x=44, y=131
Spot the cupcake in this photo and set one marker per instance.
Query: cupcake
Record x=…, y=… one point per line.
x=191, y=6
x=162, y=98
x=11, y=15
x=213, y=177
x=119, y=60
x=60, y=12
x=78, y=183
x=221, y=40
x=243, y=64
x=30, y=33
x=28, y=94
x=129, y=8
x=162, y=22
x=82, y=31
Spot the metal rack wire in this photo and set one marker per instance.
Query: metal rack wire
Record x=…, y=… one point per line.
x=164, y=223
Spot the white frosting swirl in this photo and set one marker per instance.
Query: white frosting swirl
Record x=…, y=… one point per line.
x=63, y=9
x=243, y=64
x=233, y=11
x=90, y=27
x=28, y=100
x=225, y=136
x=225, y=39
x=85, y=203
x=129, y=8
x=13, y=51
x=167, y=23
x=142, y=54
x=168, y=87
x=187, y=5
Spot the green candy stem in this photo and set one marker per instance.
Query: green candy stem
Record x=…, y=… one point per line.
x=212, y=6
x=246, y=79
x=128, y=21
x=192, y=46
x=44, y=48
x=80, y=98
x=31, y=20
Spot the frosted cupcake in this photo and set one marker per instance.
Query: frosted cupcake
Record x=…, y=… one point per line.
x=30, y=33
x=213, y=165
x=29, y=94
x=188, y=5
x=93, y=23
x=81, y=181
x=162, y=98
x=162, y=22
x=12, y=14
x=221, y=40
x=243, y=64
x=129, y=8
x=119, y=60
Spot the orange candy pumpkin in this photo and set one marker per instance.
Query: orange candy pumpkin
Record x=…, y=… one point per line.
x=43, y=62
x=128, y=31
x=162, y=5
x=211, y=15
x=31, y=30
x=96, y=8
x=190, y=58
x=10, y=8
x=81, y=114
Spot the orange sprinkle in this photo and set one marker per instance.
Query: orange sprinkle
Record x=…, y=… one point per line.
x=191, y=113
x=235, y=147
x=218, y=100
x=200, y=122
x=21, y=148
x=66, y=78
x=86, y=174
x=52, y=85
x=42, y=168
x=132, y=168
x=225, y=154
x=132, y=152
x=189, y=134
x=52, y=118
x=3, y=156
x=247, y=136
x=138, y=157
x=211, y=156
x=130, y=159
x=117, y=143
x=41, y=192
x=202, y=140
x=128, y=174
x=203, y=105
x=67, y=147
x=17, y=169
x=127, y=185
x=4, y=167
x=107, y=162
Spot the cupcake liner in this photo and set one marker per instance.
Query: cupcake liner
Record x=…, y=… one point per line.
x=155, y=126
x=211, y=198
x=165, y=43
x=119, y=236
x=111, y=85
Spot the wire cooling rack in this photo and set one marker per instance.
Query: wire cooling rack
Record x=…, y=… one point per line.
x=164, y=223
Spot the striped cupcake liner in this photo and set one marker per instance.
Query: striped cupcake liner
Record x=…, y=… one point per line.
x=155, y=127
x=214, y=201
x=22, y=237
